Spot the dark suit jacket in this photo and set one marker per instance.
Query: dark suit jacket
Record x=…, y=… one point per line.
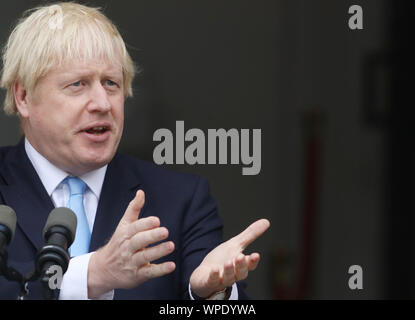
x=181, y=201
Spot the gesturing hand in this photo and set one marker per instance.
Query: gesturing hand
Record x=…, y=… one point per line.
x=124, y=262
x=226, y=264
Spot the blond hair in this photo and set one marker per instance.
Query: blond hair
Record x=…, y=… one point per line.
x=47, y=36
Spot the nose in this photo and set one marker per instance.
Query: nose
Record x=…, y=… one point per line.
x=99, y=101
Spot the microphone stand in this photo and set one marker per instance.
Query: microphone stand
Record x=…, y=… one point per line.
x=13, y=275
x=47, y=292
x=47, y=257
x=58, y=234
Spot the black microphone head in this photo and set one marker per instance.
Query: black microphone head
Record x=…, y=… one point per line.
x=8, y=219
x=62, y=217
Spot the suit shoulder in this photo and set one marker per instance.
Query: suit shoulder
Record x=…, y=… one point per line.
x=4, y=151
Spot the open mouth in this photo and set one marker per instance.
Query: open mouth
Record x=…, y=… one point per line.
x=97, y=130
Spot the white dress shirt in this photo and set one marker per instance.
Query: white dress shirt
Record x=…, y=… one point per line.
x=74, y=284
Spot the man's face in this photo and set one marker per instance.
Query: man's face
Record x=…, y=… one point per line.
x=75, y=116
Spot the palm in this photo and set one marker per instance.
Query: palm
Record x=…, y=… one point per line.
x=227, y=264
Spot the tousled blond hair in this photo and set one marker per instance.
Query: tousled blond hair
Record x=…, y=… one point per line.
x=47, y=36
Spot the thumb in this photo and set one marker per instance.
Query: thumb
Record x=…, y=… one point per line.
x=134, y=207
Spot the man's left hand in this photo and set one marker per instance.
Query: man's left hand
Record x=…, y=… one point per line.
x=226, y=264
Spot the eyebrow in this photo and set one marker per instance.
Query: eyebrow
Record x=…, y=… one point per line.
x=85, y=74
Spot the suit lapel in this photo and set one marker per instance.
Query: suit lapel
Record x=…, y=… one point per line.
x=119, y=188
x=24, y=192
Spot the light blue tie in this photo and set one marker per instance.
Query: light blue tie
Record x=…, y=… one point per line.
x=76, y=204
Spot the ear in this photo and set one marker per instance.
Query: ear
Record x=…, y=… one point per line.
x=21, y=99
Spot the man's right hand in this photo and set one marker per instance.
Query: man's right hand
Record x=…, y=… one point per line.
x=125, y=261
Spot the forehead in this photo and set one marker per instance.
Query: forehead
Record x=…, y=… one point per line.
x=86, y=67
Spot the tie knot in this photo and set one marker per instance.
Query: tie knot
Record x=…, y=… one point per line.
x=76, y=185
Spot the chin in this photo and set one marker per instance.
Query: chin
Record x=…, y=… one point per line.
x=99, y=161
x=95, y=160
x=95, y=156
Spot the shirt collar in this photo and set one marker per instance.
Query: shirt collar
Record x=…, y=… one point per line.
x=51, y=176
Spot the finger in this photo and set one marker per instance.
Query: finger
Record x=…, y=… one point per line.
x=153, y=253
x=156, y=270
x=228, y=274
x=142, y=224
x=214, y=277
x=251, y=233
x=213, y=282
x=253, y=260
x=241, y=267
x=144, y=238
x=134, y=207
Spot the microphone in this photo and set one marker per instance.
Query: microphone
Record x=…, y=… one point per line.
x=7, y=227
x=60, y=228
x=58, y=234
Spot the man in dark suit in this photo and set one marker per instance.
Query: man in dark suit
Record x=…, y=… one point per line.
x=143, y=232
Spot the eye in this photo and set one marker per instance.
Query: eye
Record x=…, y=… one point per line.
x=77, y=83
x=110, y=83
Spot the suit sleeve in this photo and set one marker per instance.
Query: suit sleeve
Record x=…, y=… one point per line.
x=202, y=231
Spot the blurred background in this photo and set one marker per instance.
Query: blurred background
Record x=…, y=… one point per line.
x=335, y=109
